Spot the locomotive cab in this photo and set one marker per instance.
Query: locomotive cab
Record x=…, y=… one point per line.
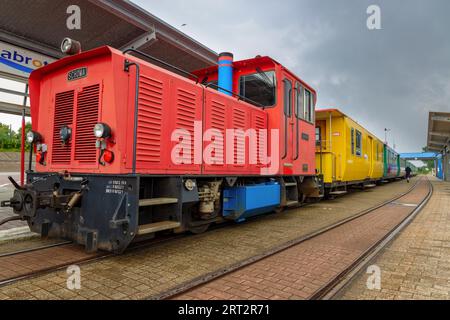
x=288, y=102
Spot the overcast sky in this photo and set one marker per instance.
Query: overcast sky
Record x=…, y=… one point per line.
x=388, y=78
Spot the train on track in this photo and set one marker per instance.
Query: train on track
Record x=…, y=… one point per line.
x=128, y=146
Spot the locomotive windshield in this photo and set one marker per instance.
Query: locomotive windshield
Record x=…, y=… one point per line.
x=259, y=87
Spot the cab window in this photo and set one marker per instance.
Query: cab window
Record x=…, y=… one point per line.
x=308, y=106
x=287, y=97
x=299, y=104
x=259, y=87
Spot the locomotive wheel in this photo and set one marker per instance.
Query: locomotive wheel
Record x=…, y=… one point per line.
x=199, y=229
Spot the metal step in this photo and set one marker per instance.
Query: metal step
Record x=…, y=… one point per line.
x=337, y=193
x=157, y=226
x=290, y=184
x=291, y=203
x=156, y=201
x=370, y=185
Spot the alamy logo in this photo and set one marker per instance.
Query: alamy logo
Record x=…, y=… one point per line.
x=73, y=22
x=374, y=280
x=214, y=147
x=74, y=277
x=374, y=19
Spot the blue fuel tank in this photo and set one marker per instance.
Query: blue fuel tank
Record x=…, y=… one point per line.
x=242, y=202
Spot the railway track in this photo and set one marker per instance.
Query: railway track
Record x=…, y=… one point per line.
x=35, y=248
x=339, y=283
x=38, y=261
x=330, y=288
x=55, y=257
x=33, y=262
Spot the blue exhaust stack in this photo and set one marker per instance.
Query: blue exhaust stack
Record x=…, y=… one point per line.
x=226, y=73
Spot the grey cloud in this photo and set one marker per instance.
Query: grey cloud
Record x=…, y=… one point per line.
x=384, y=78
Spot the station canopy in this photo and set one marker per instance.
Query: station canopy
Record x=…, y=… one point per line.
x=439, y=131
x=40, y=26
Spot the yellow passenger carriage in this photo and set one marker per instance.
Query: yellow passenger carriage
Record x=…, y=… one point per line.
x=346, y=153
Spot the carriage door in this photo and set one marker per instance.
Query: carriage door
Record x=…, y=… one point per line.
x=370, y=155
x=288, y=127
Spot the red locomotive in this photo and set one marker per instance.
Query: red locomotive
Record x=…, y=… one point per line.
x=127, y=148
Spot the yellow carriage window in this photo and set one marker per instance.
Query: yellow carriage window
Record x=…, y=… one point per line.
x=318, y=136
x=352, y=137
x=358, y=143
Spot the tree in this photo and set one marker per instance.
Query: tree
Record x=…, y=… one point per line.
x=9, y=139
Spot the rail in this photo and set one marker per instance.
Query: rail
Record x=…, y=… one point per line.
x=189, y=285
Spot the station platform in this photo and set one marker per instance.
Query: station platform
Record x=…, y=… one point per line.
x=419, y=262
x=415, y=266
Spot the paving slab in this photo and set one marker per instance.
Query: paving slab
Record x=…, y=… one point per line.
x=416, y=265
x=144, y=273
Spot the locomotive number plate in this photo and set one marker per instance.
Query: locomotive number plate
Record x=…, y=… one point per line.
x=77, y=74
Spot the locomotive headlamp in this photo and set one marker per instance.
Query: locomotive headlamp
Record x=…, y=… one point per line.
x=102, y=130
x=70, y=46
x=65, y=134
x=33, y=137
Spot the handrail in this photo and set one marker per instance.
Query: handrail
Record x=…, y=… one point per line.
x=194, y=76
x=161, y=62
x=127, y=65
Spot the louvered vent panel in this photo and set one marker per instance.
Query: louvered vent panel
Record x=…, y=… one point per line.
x=239, y=125
x=260, y=125
x=185, y=120
x=87, y=116
x=63, y=117
x=218, y=122
x=149, y=120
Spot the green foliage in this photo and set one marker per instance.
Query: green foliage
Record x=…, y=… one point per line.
x=9, y=139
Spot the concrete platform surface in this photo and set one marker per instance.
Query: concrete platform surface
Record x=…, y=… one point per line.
x=416, y=265
x=150, y=271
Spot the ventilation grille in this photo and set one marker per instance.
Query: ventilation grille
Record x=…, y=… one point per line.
x=63, y=117
x=218, y=124
x=87, y=116
x=149, y=120
x=260, y=124
x=185, y=120
x=239, y=124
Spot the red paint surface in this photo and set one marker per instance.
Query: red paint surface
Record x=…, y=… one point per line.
x=167, y=102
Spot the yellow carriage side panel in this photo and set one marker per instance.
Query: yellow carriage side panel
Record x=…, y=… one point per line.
x=346, y=151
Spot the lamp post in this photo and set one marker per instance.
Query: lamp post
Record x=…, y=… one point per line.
x=386, y=130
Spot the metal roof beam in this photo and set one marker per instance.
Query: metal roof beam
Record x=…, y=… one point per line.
x=140, y=42
x=440, y=118
x=15, y=109
x=138, y=17
x=115, y=8
x=437, y=143
x=439, y=134
x=29, y=44
x=17, y=93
